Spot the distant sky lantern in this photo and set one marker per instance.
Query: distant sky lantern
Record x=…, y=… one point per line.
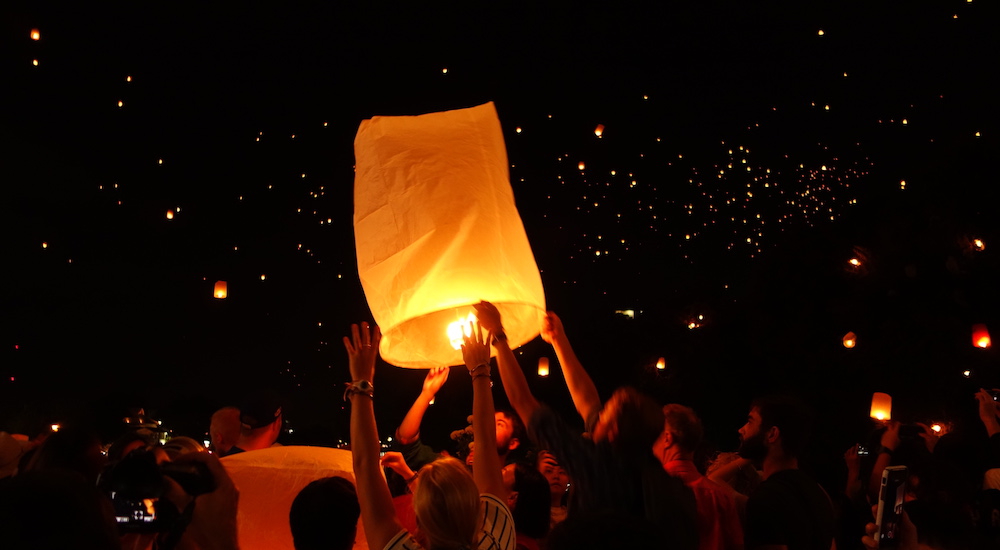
x=599, y=130
x=543, y=366
x=881, y=406
x=967, y=373
x=981, y=336
x=34, y=62
x=855, y=262
x=456, y=237
x=661, y=363
x=221, y=289
x=905, y=122
x=170, y=214
x=979, y=244
x=128, y=79
x=120, y=103
x=850, y=340
x=45, y=245
x=821, y=33
x=35, y=34
x=581, y=166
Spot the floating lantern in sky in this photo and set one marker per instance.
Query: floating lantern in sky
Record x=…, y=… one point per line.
x=981, y=336
x=170, y=214
x=599, y=130
x=35, y=34
x=456, y=236
x=34, y=62
x=543, y=366
x=581, y=166
x=45, y=245
x=850, y=340
x=881, y=406
x=128, y=78
x=820, y=33
x=967, y=373
x=902, y=184
x=661, y=363
x=221, y=290
x=855, y=262
x=978, y=244
x=120, y=103
x=905, y=122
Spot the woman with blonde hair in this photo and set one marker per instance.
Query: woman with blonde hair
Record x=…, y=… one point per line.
x=454, y=510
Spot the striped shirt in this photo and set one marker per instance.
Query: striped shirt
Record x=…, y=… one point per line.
x=496, y=533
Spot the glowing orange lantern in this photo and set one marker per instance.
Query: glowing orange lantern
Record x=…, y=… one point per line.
x=979, y=245
x=35, y=34
x=981, y=336
x=661, y=363
x=850, y=340
x=170, y=214
x=543, y=366
x=599, y=130
x=437, y=231
x=881, y=406
x=581, y=166
x=221, y=290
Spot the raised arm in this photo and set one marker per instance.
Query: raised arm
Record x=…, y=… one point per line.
x=581, y=387
x=408, y=431
x=514, y=383
x=486, y=465
x=377, y=512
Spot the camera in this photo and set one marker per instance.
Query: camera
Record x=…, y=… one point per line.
x=863, y=450
x=137, y=486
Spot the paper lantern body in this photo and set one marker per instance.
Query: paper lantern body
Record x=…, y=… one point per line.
x=543, y=366
x=270, y=479
x=881, y=406
x=221, y=289
x=981, y=336
x=436, y=231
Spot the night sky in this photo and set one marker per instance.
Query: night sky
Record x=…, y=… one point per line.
x=749, y=152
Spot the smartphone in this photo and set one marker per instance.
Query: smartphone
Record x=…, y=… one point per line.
x=890, y=506
x=863, y=450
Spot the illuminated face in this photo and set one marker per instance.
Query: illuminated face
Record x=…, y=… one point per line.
x=505, y=433
x=752, y=443
x=557, y=478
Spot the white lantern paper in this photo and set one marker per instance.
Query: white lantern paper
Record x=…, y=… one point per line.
x=437, y=231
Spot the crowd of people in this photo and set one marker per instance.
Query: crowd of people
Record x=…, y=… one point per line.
x=626, y=473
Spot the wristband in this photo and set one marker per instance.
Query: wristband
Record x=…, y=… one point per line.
x=472, y=372
x=359, y=386
x=499, y=336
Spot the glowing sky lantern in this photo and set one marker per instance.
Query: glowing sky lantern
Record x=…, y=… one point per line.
x=221, y=290
x=820, y=33
x=855, y=262
x=979, y=245
x=543, y=366
x=599, y=130
x=850, y=340
x=581, y=166
x=981, y=336
x=436, y=231
x=881, y=406
x=170, y=214
x=661, y=363
x=35, y=34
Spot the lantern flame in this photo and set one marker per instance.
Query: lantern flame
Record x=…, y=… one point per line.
x=543, y=366
x=458, y=330
x=855, y=262
x=581, y=166
x=881, y=406
x=981, y=336
x=170, y=214
x=599, y=130
x=661, y=363
x=850, y=340
x=979, y=244
x=221, y=290
x=35, y=34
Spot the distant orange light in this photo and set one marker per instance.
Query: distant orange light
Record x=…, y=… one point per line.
x=543, y=366
x=855, y=262
x=599, y=130
x=170, y=214
x=221, y=290
x=850, y=340
x=581, y=166
x=981, y=336
x=979, y=244
x=881, y=406
x=661, y=363
x=35, y=34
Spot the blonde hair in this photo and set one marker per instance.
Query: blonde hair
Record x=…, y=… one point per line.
x=446, y=503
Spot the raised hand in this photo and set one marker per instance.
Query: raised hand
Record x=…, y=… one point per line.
x=362, y=349
x=489, y=317
x=552, y=328
x=435, y=378
x=475, y=350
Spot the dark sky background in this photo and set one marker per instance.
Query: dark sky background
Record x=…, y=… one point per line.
x=749, y=151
